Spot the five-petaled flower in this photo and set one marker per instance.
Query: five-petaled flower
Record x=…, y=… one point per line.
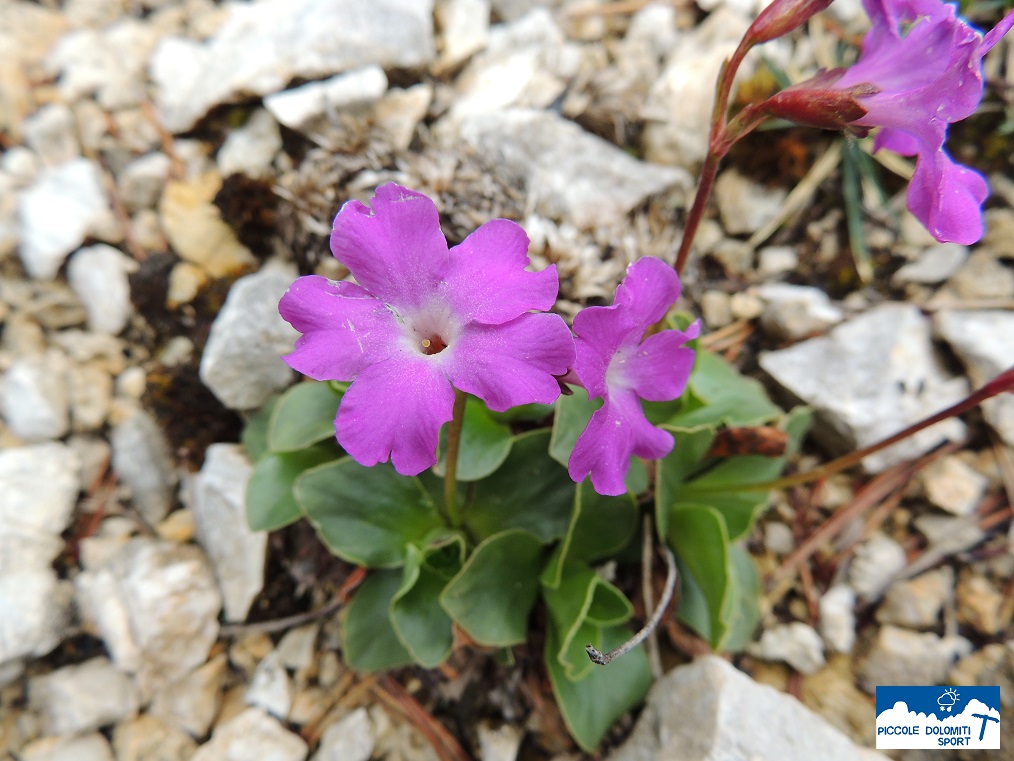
x=920, y=70
x=421, y=321
x=615, y=364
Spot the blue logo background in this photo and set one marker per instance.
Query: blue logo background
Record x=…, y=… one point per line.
x=927, y=700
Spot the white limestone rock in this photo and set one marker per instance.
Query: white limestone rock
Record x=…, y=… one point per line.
x=900, y=657
x=744, y=205
x=270, y=688
x=84, y=697
x=142, y=461
x=251, y=149
x=796, y=643
x=219, y=506
x=838, y=618
x=34, y=396
x=140, y=183
x=916, y=603
x=464, y=29
x=72, y=193
x=52, y=134
x=304, y=108
x=252, y=734
x=34, y=613
x=708, y=710
x=870, y=377
x=568, y=174
x=351, y=738
x=264, y=45
x=792, y=312
x=953, y=485
x=148, y=738
x=982, y=341
x=934, y=265
x=876, y=563
x=241, y=362
x=192, y=702
x=99, y=276
x=156, y=605
x=93, y=747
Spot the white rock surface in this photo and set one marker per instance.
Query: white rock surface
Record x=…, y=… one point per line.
x=792, y=312
x=526, y=64
x=567, y=173
x=52, y=134
x=251, y=148
x=678, y=108
x=901, y=657
x=93, y=747
x=84, y=697
x=710, y=711
x=264, y=45
x=142, y=461
x=399, y=112
x=796, y=643
x=876, y=563
x=72, y=193
x=838, y=618
x=916, y=603
x=953, y=485
x=147, y=738
x=302, y=108
x=776, y=260
x=252, y=734
x=982, y=340
x=140, y=182
x=219, y=506
x=464, y=29
x=934, y=265
x=499, y=743
x=871, y=377
x=192, y=702
x=98, y=274
x=34, y=613
x=34, y=396
x=744, y=205
x=109, y=63
x=270, y=688
x=156, y=605
x=351, y=738
x=241, y=362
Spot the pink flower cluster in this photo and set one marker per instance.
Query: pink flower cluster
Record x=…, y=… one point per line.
x=423, y=320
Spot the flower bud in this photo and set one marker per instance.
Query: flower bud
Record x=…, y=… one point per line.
x=781, y=17
x=815, y=104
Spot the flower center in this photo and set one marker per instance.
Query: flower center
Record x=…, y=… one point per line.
x=433, y=345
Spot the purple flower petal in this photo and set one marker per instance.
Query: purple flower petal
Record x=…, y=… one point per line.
x=947, y=198
x=514, y=363
x=658, y=370
x=614, y=434
x=394, y=250
x=394, y=409
x=487, y=281
x=344, y=328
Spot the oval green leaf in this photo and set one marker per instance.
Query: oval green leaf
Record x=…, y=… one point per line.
x=493, y=593
x=369, y=642
x=366, y=516
x=303, y=416
x=270, y=499
x=485, y=444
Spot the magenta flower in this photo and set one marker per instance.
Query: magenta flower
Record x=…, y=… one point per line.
x=422, y=321
x=920, y=70
x=615, y=364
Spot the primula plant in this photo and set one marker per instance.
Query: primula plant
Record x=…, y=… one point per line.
x=484, y=461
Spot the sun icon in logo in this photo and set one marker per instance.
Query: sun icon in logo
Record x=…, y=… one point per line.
x=947, y=700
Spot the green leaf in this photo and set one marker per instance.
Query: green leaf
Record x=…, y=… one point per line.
x=485, y=444
x=599, y=527
x=303, y=416
x=572, y=415
x=591, y=704
x=493, y=594
x=676, y=468
x=422, y=625
x=742, y=614
x=255, y=432
x=529, y=491
x=366, y=516
x=581, y=602
x=698, y=535
x=369, y=642
x=727, y=397
x=270, y=498
x=525, y=413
